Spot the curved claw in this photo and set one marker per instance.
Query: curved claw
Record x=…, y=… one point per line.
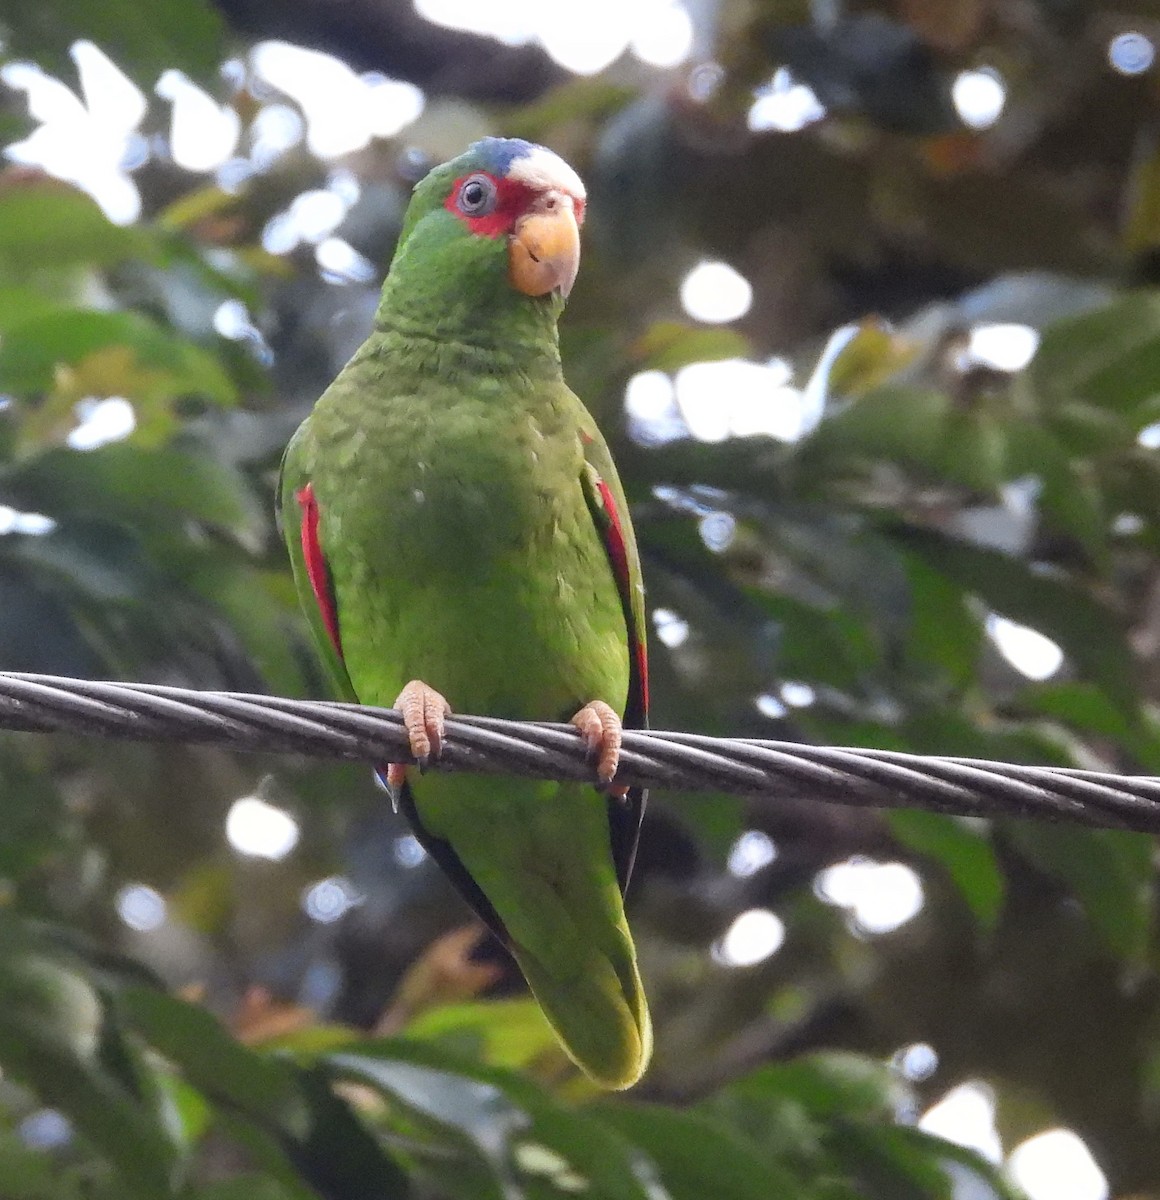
x=600, y=727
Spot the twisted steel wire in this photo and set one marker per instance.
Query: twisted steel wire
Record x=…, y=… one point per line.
x=683, y=761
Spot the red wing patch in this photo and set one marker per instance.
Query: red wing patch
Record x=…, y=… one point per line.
x=618, y=556
x=316, y=569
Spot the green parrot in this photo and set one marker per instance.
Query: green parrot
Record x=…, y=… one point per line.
x=459, y=535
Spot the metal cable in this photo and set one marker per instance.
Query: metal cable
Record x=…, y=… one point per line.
x=684, y=761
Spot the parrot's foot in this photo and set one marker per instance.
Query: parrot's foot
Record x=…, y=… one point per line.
x=423, y=710
x=601, y=729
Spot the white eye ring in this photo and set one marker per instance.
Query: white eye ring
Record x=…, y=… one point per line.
x=477, y=196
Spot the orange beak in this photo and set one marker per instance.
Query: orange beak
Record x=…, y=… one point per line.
x=544, y=249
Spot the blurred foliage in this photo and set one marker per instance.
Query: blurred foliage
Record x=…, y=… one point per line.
x=841, y=587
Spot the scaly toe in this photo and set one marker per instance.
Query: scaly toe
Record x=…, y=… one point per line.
x=423, y=710
x=600, y=727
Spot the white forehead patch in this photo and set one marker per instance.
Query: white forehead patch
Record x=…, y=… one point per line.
x=544, y=171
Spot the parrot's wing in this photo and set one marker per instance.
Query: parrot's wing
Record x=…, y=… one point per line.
x=298, y=515
x=609, y=509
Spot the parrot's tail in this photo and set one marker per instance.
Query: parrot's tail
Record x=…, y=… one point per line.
x=548, y=890
x=599, y=1013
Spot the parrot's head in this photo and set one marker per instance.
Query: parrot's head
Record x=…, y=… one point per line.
x=501, y=220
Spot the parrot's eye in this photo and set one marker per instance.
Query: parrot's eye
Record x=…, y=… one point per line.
x=477, y=196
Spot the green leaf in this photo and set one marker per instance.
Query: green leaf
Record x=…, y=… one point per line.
x=33, y=817
x=868, y=359
x=698, y=1157
x=1133, y=486
x=670, y=345
x=786, y=1109
x=446, y=1121
x=905, y=424
x=943, y=630
x=20, y=304
x=25, y=1173
x=101, y=561
x=293, y=1110
x=214, y=1061
x=50, y=1027
x=715, y=818
x=263, y=611
x=973, y=451
x=340, y=1158
x=179, y=33
x=114, y=353
x=902, y=1163
x=502, y=1033
x=1108, y=871
x=1070, y=497
x=1086, y=631
x=594, y=98
x=449, y=1101
x=1087, y=710
x=828, y=1085
x=821, y=644
x=884, y=1162
x=1109, y=357
x=833, y=1116
x=964, y=852
x=243, y=1187
x=46, y=223
x=137, y=485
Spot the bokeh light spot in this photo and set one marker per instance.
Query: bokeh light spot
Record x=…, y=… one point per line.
x=92, y=144
x=202, y=133
x=752, y=851
x=880, y=897
x=754, y=936
x=141, y=907
x=1030, y=652
x=1003, y=347
x=672, y=630
x=101, y=422
x=32, y=524
x=408, y=851
x=715, y=293
x=979, y=97
x=784, y=105
x=343, y=110
x=45, y=1129
x=734, y=397
x=261, y=830
x=342, y=263
x=330, y=899
x=797, y=694
x=770, y=706
x=966, y=1116
x=916, y=1062
x=1131, y=53
x=664, y=34
x=585, y=38
x=649, y=395
x=1057, y=1165
x=717, y=530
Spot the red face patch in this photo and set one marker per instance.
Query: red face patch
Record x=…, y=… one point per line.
x=512, y=200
